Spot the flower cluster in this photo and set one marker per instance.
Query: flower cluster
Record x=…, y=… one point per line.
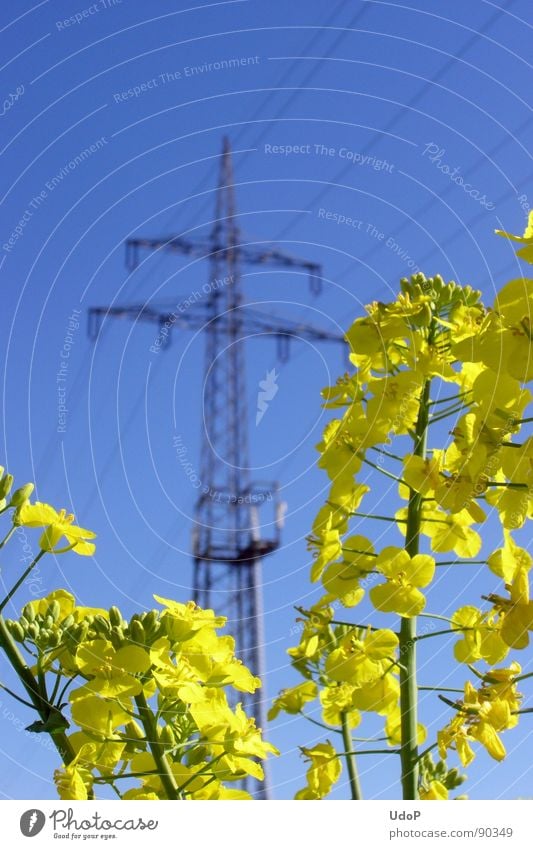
x=150, y=706
x=434, y=364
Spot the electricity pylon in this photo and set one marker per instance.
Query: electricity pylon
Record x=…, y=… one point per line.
x=228, y=544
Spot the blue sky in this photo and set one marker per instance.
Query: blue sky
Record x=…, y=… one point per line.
x=362, y=110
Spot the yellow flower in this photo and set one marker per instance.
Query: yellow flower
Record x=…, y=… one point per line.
x=293, y=699
x=381, y=696
x=449, y=532
x=336, y=702
x=506, y=560
x=393, y=729
x=57, y=525
x=480, y=716
x=517, y=611
x=112, y=673
x=73, y=782
x=371, y=335
x=338, y=454
x=499, y=397
x=175, y=676
x=359, y=659
x=394, y=404
x=102, y=755
x=99, y=717
x=182, y=621
x=481, y=636
x=514, y=304
x=315, y=636
x=323, y=772
x=341, y=580
x=527, y=239
x=405, y=574
x=514, y=502
x=435, y=791
x=213, y=658
x=231, y=735
x=455, y=736
x=500, y=684
x=422, y=474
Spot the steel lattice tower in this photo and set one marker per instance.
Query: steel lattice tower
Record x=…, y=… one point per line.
x=227, y=543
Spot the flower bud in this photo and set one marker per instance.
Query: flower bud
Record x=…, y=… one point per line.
x=137, y=632
x=115, y=616
x=16, y=630
x=33, y=630
x=28, y=612
x=101, y=625
x=150, y=623
x=5, y=485
x=21, y=495
x=166, y=737
x=117, y=636
x=83, y=630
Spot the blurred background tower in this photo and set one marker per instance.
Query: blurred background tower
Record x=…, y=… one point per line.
x=228, y=542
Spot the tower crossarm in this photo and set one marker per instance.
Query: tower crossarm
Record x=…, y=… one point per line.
x=197, y=317
x=244, y=253
x=165, y=317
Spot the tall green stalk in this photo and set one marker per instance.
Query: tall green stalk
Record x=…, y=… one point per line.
x=31, y=685
x=355, y=787
x=163, y=767
x=407, y=647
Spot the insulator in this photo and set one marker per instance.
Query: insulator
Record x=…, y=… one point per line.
x=315, y=282
x=93, y=323
x=132, y=255
x=283, y=347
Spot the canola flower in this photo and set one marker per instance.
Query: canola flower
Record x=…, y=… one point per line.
x=435, y=364
x=143, y=705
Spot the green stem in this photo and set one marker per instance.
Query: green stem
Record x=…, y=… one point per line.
x=14, y=696
x=105, y=779
x=370, y=752
x=509, y=484
x=451, y=411
x=31, y=686
x=320, y=724
x=429, y=749
x=455, y=631
x=203, y=771
x=460, y=562
x=378, y=518
x=436, y=616
x=163, y=767
x=386, y=453
x=383, y=471
x=21, y=580
x=442, y=689
x=360, y=551
x=355, y=786
x=407, y=647
x=352, y=625
x=8, y=536
x=445, y=400
x=523, y=677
